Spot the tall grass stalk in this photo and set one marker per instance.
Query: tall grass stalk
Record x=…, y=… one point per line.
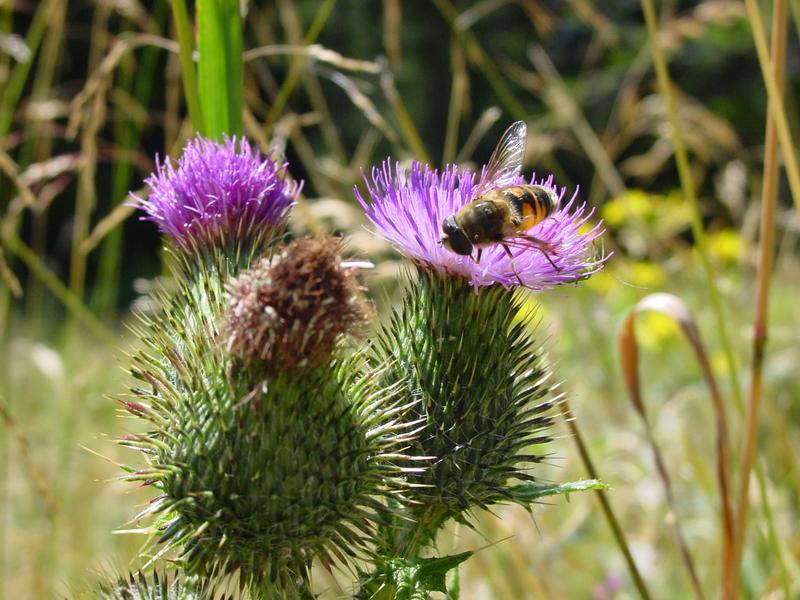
x=687, y=185
x=698, y=232
x=605, y=505
x=296, y=66
x=183, y=29
x=86, y=196
x=71, y=302
x=37, y=147
x=138, y=77
x=459, y=89
x=681, y=158
x=477, y=55
x=776, y=107
x=769, y=193
x=9, y=96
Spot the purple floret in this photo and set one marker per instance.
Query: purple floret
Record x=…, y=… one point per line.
x=219, y=192
x=408, y=206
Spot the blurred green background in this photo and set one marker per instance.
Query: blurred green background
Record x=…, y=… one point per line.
x=90, y=92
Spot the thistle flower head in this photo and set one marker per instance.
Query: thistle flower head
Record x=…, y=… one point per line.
x=407, y=207
x=218, y=193
x=290, y=310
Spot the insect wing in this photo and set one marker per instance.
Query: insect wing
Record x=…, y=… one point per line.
x=506, y=162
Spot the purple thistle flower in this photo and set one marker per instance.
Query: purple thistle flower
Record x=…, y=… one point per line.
x=408, y=206
x=219, y=192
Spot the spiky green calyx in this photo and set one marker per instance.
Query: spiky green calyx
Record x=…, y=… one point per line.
x=154, y=586
x=259, y=469
x=482, y=391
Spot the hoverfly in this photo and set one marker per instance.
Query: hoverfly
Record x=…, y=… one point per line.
x=502, y=212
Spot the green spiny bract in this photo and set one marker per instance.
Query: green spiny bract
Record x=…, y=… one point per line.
x=481, y=390
x=258, y=469
x=154, y=586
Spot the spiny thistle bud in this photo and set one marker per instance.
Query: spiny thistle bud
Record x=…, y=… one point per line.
x=289, y=310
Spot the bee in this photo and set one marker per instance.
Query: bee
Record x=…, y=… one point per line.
x=502, y=212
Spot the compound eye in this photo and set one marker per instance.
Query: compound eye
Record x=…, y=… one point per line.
x=449, y=226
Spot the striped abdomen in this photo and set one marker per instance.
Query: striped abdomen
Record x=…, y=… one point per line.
x=533, y=203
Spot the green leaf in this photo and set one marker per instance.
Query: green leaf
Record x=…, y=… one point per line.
x=220, y=66
x=530, y=492
x=432, y=571
x=409, y=578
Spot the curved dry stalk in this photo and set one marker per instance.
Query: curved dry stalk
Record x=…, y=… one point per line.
x=560, y=101
x=125, y=43
x=769, y=192
x=316, y=51
x=674, y=308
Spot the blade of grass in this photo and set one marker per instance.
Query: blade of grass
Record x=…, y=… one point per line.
x=459, y=91
x=605, y=505
x=296, y=66
x=766, y=247
x=15, y=84
x=685, y=175
x=38, y=147
x=127, y=133
x=219, y=42
x=477, y=55
x=72, y=303
x=10, y=94
x=776, y=107
x=407, y=127
x=392, y=21
x=87, y=194
x=86, y=197
x=675, y=309
x=562, y=103
x=188, y=71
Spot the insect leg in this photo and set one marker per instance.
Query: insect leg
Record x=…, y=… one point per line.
x=477, y=259
x=544, y=247
x=511, y=258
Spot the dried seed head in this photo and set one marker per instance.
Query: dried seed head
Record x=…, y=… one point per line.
x=290, y=311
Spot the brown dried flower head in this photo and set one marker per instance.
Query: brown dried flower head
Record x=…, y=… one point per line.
x=290, y=310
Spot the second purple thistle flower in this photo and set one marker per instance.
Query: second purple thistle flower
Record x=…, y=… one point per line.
x=218, y=192
x=521, y=240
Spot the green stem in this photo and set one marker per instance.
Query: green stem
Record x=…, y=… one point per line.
x=605, y=505
x=188, y=72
